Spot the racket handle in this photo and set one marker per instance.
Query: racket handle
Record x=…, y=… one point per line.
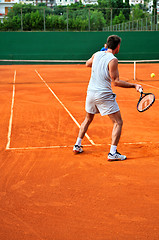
x=140, y=90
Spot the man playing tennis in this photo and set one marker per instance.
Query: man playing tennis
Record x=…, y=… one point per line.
x=100, y=98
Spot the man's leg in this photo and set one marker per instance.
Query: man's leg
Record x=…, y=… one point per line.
x=84, y=126
x=116, y=133
x=118, y=122
x=83, y=129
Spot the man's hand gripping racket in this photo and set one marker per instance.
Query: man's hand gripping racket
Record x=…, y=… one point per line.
x=146, y=100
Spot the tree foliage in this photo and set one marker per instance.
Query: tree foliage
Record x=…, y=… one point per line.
x=119, y=19
x=75, y=17
x=138, y=13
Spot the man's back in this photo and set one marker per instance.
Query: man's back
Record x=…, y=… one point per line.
x=100, y=79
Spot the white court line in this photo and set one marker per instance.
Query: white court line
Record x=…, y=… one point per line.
x=55, y=147
x=140, y=143
x=136, y=143
x=88, y=145
x=140, y=82
x=147, y=85
x=75, y=121
x=50, y=147
x=11, y=116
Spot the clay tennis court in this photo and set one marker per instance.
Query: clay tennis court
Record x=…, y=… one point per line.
x=47, y=192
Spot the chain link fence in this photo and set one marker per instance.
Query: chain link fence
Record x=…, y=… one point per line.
x=150, y=23
x=81, y=19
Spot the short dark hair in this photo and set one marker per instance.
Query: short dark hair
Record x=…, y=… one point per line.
x=113, y=41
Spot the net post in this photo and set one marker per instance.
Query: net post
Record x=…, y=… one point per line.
x=67, y=19
x=21, y=19
x=134, y=70
x=44, y=21
x=132, y=19
x=89, y=25
x=111, y=18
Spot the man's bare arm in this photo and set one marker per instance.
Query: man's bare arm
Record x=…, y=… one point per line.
x=114, y=74
x=89, y=62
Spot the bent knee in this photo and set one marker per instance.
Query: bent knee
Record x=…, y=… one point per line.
x=119, y=122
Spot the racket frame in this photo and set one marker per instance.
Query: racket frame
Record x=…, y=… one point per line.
x=141, y=97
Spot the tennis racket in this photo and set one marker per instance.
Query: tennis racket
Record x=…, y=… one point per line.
x=146, y=100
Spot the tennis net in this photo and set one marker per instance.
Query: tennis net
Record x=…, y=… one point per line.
x=128, y=69
x=139, y=69
x=21, y=62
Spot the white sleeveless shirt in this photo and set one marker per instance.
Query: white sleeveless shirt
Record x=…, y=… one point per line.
x=100, y=80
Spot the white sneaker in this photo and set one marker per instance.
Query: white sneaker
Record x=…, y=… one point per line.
x=77, y=149
x=116, y=156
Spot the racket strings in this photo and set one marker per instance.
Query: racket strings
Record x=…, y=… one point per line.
x=145, y=102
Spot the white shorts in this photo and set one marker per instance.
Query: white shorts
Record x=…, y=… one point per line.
x=103, y=103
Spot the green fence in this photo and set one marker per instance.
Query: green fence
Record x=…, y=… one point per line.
x=75, y=45
x=32, y=18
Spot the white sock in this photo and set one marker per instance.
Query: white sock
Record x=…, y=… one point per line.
x=78, y=142
x=113, y=149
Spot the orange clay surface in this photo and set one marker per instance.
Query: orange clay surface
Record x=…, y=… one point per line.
x=47, y=192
